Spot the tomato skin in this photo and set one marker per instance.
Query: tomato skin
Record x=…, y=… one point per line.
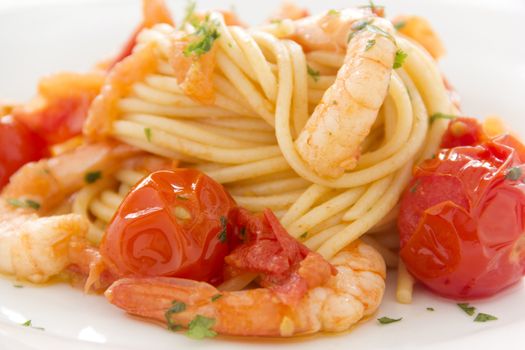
x=463, y=131
x=18, y=146
x=462, y=223
x=146, y=238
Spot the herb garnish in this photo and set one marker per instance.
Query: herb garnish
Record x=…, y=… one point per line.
x=400, y=25
x=200, y=328
x=224, y=224
x=481, y=317
x=304, y=235
x=414, y=187
x=216, y=296
x=399, y=59
x=333, y=12
x=469, y=310
x=205, y=36
x=430, y=309
x=370, y=44
x=92, y=176
x=513, y=173
x=181, y=197
x=313, y=73
x=27, y=203
x=439, y=115
x=147, y=132
x=28, y=323
x=387, y=320
x=190, y=16
x=18, y=286
x=177, y=306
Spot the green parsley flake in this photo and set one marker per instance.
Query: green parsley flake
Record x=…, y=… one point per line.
x=430, y=309
x=387, y=320
x=469, y=310
x=177, y=306
x=400, y=25
x=216, y=296
x=18, y=286
x=370, y=44
x=190, y=16
x=181, y=197
x=201, y=327
x=147, y=132
x=313, y=73
x=304, y=235
x=481, y=317
x=276, y=21
x=223, y=234
x=414, y=187
x=28, y=203
x=92, y=176
x=333, y=12
x=513, y=174
x=28, y=323
x=399, y=59
x=438, y=115
x=205, y=36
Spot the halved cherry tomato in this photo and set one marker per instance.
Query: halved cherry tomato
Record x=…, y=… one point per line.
x=18, y=146
x=173, y=223
x=461, y=224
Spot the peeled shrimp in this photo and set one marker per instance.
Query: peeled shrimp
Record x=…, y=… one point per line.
x=331, y=140
x=335, y=305
x=37, y=248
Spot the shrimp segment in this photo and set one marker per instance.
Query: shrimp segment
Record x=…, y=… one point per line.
x=331, y=140
x=37, y=248
x=334, y=306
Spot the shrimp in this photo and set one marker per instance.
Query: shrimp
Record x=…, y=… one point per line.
x=331, y=140
x=334, y=306
x=36, y=248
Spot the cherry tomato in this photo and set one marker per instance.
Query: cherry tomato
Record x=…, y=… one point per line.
x=18, y=146
x=173, y=223
x=463, y=131
x=462, y=222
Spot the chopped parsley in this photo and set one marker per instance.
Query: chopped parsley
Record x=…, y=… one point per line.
x=304, y=235
x=399, y=59
x=372, y=6
x=242, y=233
x=92, y=176
x=205, y=36
x=181, y=197
x=481, y=317
x=400, y=25
x=439, y=115
x=333, y=12
x=18, y=286
x=430, y=309
x=177, y=306
x=147, y=132
x=367, y=25
x=313, y=73
x=469, y=310
x=414, y=187
x=334, y=102
x=216, y=296
x=223, y=234
x=200, y=328
x=513, y=173
x=370, y=44
x=27, y=203
x=190, y=16
x=28, y=323
x=387, y=320
x=276, y=21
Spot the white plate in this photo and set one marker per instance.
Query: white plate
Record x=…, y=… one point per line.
x=485, y=62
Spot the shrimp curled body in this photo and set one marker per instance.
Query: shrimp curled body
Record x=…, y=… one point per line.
x=330, y=142
x=353, y=293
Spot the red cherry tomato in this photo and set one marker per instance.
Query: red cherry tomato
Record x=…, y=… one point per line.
x=462, y=222
x=463, y=131
x=173, y=223
x=18, y=146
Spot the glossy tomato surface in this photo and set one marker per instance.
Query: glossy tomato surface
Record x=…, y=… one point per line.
x=461, y=220
x=173, y=223
x=18, y=146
